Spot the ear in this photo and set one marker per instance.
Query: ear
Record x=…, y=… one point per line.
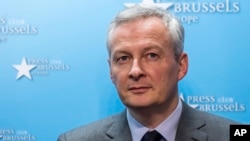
x=183, y=65
x=110, y=70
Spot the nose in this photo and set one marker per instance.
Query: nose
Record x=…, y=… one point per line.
x=136, y=71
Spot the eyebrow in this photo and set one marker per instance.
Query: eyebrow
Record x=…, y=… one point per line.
x=151, y=48
x=143, y=50
x=120, y=52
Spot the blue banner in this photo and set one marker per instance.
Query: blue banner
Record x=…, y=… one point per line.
x=54, y=74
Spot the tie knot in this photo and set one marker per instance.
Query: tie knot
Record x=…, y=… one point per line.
x=152, y=136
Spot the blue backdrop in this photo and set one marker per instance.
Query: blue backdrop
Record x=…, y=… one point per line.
x=54, y=74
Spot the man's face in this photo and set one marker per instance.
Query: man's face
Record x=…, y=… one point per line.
x=143, y=67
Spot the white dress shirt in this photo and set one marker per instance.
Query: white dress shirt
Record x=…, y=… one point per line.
x=167, y=128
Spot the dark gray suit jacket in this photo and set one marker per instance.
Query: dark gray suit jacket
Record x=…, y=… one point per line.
x=194, y=125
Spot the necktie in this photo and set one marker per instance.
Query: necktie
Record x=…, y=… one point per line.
x=152, y=136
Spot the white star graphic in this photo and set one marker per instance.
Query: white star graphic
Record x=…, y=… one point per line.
x=151, y=3
x=24, y=69
x=191, y=105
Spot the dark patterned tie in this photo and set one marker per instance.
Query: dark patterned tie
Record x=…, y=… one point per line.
x=152, y=136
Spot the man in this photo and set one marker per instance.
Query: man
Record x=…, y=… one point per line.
x=146, y=60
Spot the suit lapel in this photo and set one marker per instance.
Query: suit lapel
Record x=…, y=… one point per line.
x=188, y=128
x=119, y=129
x=190, y=125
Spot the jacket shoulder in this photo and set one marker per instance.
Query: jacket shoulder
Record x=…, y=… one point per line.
x=94, y=131
x=203, y=125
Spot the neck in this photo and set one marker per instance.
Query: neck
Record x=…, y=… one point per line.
x=152, y=116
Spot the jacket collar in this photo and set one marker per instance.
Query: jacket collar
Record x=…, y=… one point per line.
x=190, y=125
x=119, y=129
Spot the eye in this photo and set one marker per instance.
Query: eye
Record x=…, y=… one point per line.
x=152, y=56
x=122, y=59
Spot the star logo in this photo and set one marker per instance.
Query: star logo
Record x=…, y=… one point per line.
x=24, y=69
x=151, y=3
x=191, y=105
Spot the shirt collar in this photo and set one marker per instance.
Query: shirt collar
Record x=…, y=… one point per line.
x=167, y=128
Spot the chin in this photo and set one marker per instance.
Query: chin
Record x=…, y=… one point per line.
x=138, y=104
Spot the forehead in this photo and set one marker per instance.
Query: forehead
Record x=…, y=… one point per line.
x=142, y=30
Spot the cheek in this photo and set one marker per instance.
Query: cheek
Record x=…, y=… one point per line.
x=165, y=74
x=118, y=78
x=120, y=81
x=160, y=72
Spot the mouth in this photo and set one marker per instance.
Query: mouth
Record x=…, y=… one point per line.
x=138, y=90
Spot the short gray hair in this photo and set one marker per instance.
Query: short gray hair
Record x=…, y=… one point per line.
x=176, y=30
